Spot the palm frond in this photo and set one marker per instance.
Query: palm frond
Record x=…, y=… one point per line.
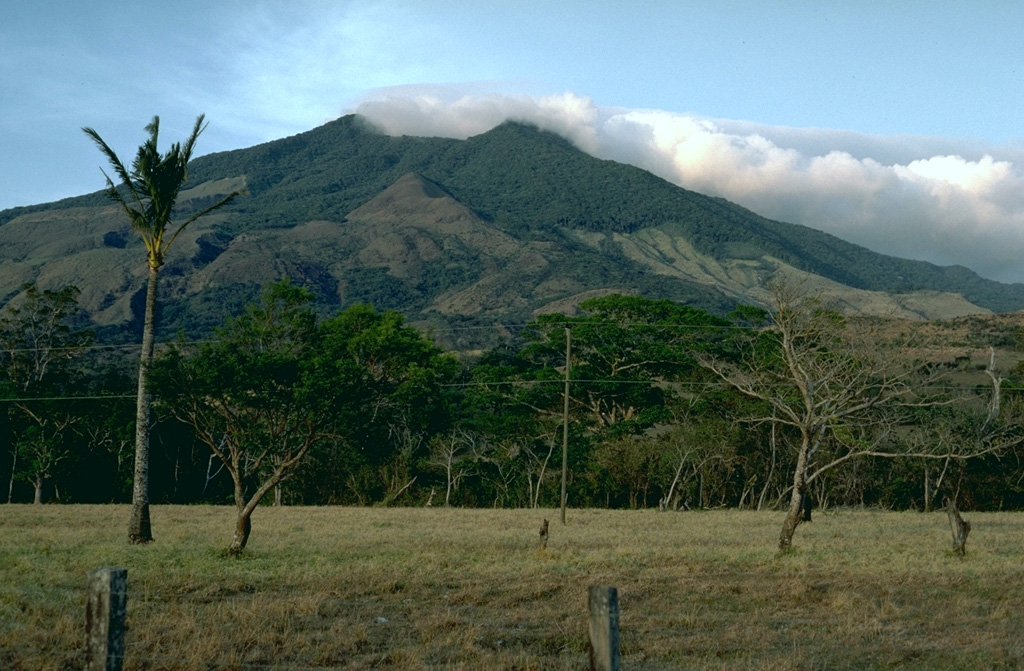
x=154, y=182
x=190, y=143
x=216, y=206
x=119, y=169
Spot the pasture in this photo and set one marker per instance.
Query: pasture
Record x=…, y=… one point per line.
x=369, y=588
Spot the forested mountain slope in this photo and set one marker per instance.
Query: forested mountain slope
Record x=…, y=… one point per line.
x=490, y=229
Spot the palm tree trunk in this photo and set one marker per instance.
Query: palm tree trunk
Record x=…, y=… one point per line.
x=139, y=530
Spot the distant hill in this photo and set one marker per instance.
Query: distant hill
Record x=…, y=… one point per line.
x=456, y=233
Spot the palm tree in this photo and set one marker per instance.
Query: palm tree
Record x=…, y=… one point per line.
x=147, y=194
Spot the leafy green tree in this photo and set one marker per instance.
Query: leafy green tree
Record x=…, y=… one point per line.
x=403, y=404
x=515, y=406
x=41, y=335
x=624, y=348
x=631, y=464
x=277, y=386
x=630, y=356
x=147, y=193
x=261, y=395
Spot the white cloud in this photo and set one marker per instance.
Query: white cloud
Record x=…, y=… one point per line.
x=935, y=199
x=444, y=112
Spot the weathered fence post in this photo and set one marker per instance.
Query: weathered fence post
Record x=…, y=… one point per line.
x=604, y=629
x=104, y=619
x=959, y=527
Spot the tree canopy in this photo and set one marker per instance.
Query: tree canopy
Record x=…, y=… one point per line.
x=670, y=407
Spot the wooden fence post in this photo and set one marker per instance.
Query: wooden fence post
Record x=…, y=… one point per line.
x=959, y=527
x=104, y=619
x=604, y=629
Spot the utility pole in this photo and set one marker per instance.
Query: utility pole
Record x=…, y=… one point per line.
x=565, y=418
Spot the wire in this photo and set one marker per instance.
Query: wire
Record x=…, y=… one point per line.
x=68, y=398
x=100, y=346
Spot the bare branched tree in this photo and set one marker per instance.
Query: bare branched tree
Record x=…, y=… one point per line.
x=454, y=454
x=845, y=394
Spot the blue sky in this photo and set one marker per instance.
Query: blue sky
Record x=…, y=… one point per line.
x=893, y=125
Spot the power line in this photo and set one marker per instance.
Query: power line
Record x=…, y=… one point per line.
x=604, y=322
x=19, y=350
x=68, y=398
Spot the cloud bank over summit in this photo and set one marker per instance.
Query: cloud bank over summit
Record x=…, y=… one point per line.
x=947, y=201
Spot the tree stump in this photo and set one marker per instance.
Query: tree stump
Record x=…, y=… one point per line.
x=959, y=527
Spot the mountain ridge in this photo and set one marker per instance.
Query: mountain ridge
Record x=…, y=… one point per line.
x=502, y=225
x=535, y=192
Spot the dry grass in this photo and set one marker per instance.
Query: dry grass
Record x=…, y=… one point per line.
x=470, y=589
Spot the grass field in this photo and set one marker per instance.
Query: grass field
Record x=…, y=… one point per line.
x=355, y=588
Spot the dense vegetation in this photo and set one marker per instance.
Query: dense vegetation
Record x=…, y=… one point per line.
x=530, y=181
x=388, y=417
